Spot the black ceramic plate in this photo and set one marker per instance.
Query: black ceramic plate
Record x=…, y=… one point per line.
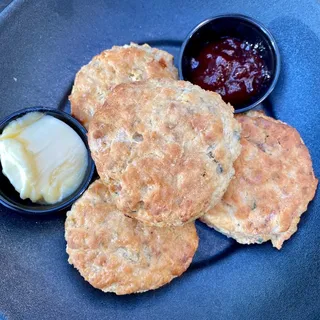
x=42, y=45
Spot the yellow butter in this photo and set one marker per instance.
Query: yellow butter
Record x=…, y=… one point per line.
x=44, y=158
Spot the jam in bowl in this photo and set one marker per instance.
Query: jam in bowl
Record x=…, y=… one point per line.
x=234, y=56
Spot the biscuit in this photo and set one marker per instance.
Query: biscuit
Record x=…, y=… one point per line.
x=115, y=253
x=165, y=148
x=118, y=65
x=273, y=184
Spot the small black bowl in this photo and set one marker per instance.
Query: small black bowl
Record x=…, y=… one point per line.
x=10, y=198
x=242, y=28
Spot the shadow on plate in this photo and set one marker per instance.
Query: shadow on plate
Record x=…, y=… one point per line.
x=64, y=104
x=213, y=247
x=162, y=43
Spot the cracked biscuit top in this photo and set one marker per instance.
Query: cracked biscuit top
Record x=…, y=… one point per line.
x=111, y=67
x=115, y=253
x=273, y=184
x=165, y=148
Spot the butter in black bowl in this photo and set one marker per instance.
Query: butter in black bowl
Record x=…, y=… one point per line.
x=232, y=55
x=45, y=161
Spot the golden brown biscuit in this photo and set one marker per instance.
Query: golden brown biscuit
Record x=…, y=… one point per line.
x=165, y=148
x=118, y=65
x=273, y=184
x=115, y=253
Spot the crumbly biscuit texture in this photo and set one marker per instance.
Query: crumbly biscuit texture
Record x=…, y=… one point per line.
x=273, y=184
x=115, y=253
x=165, y=148
x=118, y=65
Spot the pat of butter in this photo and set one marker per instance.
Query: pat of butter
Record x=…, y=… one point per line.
x=44, y=158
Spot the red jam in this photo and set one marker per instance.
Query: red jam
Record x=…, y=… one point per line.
x=232, y=68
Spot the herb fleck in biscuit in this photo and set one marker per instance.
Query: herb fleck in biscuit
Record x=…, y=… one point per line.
x=273, y=184
x=115, y=253
x=118, y=65
x=165, y=148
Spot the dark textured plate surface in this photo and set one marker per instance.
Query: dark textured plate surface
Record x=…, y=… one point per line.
x=42, y=45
